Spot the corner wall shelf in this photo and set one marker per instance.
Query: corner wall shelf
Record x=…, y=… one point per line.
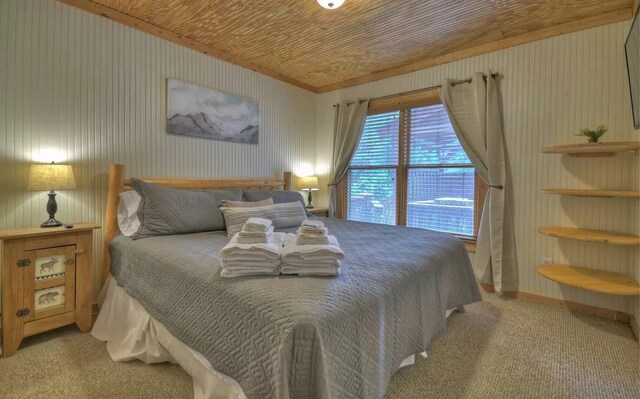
x=581, y=277
x=591, y=280
x=600, y=236
x=593, y=193
x=605, y=149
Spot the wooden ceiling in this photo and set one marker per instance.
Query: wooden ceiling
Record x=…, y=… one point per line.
x=301, y=43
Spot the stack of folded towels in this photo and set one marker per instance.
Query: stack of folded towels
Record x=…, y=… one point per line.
x=312, y=232
x=311, y=252
x=256, y=231
x=255, y=250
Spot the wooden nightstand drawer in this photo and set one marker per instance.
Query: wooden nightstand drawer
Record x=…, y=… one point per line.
x=319, y=211
x=46, y=281
x=48, y=241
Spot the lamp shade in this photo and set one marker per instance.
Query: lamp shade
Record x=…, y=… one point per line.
x=307, y=183
x=51, y=177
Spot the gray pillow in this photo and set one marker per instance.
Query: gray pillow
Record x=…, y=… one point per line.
x=165, y=210
x=279, y=197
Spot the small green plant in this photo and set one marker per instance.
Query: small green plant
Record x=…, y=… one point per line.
x=595, y=134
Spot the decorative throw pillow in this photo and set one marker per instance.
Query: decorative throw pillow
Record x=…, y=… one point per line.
x=225, y=195
x=165, y=210
x=279, y=197
x=246, y=204
x=290, y=214
x=128, y=221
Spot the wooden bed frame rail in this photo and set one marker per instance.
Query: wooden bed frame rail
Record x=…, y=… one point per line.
x=118, y=183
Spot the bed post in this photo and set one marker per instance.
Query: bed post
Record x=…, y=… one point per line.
x=287, y=181
x=114, y=188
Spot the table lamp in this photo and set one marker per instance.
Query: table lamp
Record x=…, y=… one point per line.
x=307, y=183
x=51, y=177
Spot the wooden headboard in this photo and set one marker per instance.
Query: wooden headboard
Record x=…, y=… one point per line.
x=118, y=183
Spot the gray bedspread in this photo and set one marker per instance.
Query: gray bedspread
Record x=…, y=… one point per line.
x=303, y=337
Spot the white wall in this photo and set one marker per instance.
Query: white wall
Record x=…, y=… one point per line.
x=94, y=90
x=550, y=89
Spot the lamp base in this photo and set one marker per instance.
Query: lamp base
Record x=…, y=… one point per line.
x=52, y=208
x=52, y=222
x=309, y=198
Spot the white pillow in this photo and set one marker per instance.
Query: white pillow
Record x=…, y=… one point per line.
x=128, y=221
x=288, y=214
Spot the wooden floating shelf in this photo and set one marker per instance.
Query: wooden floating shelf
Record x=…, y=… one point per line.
x=600, y=236
x=605, y=149
x=591, y=280
x=593, y=193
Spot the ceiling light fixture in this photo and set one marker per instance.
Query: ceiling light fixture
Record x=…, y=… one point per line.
x=331, y=4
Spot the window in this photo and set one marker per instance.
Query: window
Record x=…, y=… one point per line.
x=409, y=169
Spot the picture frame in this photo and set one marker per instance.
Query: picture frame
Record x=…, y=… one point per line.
x=198, y=111
x=48, y=266
x=49, y=298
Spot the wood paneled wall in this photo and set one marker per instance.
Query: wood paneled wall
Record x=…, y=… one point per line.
x=549, y=90
x=94, y=90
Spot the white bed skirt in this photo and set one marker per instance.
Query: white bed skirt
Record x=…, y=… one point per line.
x=131, y=333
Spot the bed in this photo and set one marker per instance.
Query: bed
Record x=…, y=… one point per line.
x=280, y=337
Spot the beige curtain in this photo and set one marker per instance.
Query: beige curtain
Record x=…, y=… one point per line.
x=348, y=126
x=474, y=111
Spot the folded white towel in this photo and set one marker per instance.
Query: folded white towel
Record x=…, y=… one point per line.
x=310, y=271
x=312, y=231
x=312, y=223
x=306, y=239
x=295, y=253
x=253, y=240
x=243, y=264
x=254, y=237
x=264, y=234
x=243, y=273
x=257, y=224
x=256, y=251
x=318, y=265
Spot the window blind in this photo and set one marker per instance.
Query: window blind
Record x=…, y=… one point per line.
x=372, y=195
x=378, y=145
x=371, y=192
x=441, y=199
x=438, y=197
x=432, y=140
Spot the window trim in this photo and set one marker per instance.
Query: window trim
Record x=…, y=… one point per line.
x=402, y=103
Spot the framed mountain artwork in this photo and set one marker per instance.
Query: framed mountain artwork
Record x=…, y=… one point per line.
x=198, y=111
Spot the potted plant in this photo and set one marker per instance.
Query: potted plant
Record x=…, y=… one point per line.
x=595, y=134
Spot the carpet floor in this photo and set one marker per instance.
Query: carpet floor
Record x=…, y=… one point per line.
x=500, y=348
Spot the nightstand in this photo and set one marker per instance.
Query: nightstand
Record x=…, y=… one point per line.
x=319, y=211
x=46, y=281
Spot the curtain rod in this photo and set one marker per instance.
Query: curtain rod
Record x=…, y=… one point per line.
x=454, y=83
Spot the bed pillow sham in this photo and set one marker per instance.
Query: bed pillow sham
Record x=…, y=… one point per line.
x=246, y=204
x=289, y=214
x=165, y=211
x=128, y=221
x=279, y=197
